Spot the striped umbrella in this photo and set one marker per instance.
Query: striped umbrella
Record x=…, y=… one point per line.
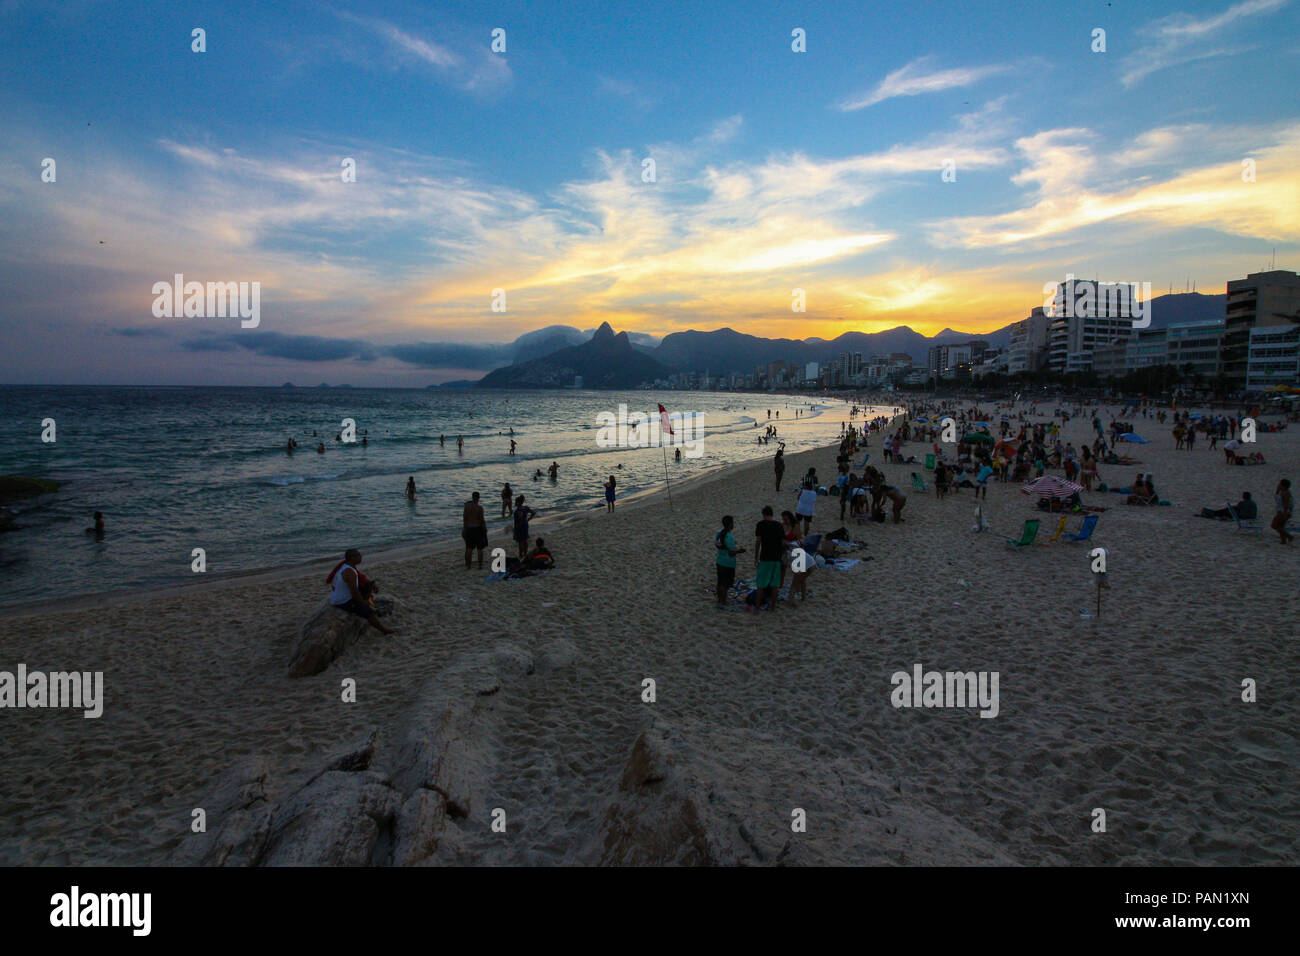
x=1050, y=486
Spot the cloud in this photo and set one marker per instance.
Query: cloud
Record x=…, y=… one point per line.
x=298, y=348
x=914, y=79
x=477, y=71
x=1183, y=38
x=1072, y=188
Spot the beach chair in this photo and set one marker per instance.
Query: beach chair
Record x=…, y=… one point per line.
x=1027, y=534
x=1085, y=529
x=1243, y=525
x=918, y=483
x=1060, y=527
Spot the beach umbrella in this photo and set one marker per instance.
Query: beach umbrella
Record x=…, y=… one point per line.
x=1050, y=486
x=926, y=420
x=980, y=425
x=1008, y=448
x=978, y=437
x=1133, y=437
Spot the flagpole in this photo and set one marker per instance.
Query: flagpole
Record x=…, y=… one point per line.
x=665, y=423
x=667, y=483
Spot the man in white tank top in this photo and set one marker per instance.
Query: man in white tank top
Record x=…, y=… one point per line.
x=345, y=591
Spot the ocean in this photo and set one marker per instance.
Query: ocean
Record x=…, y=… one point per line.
x=175, y=469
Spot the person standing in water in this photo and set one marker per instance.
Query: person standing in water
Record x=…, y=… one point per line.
x=442, y=440
x=512, y=446
x=460, y=443
x=506, y=495
x=410, y=489
x=554, y=471
x=609, y=495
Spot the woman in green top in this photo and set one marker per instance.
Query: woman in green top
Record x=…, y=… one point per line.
x=726, y=561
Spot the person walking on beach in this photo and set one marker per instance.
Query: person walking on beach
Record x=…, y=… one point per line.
x=522, y=516
x=1282, y=502
x=725, y=545
x=779, y=464
x=769, y=543
x=806, y=504
x=474, y=530
x=506, y=496
x=609, y=496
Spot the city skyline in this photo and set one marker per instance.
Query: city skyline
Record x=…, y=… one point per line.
x=931, y=178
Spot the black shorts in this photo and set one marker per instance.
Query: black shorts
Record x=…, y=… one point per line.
x=359, y=608
x=475, y=538
x=726, y=576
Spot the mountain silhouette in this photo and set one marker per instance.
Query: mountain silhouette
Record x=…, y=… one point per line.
x=606, y=360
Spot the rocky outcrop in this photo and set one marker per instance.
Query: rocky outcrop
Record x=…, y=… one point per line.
x=328, y=633
x=375, y=804
x=665, y=814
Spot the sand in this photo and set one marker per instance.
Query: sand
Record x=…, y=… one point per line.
x=1138, y=712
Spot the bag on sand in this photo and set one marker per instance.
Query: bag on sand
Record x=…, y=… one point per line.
x=878, y=514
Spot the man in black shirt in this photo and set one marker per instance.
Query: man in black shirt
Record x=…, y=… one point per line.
x=769, y=542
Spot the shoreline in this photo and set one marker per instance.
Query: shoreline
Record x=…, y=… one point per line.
x=389, y=554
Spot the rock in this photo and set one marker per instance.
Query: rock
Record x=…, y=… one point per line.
x=372, y=806
x=420, y=826
x=327, y=634
x=337, y=819
x=664, y=815
x=238, y=815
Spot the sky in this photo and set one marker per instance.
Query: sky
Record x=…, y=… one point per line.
x=660, y=166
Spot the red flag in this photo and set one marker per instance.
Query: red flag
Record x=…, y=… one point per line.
x=663, y=420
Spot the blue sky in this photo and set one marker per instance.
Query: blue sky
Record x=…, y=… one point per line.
x=522, y=171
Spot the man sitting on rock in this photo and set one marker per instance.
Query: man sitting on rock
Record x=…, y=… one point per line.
x=346, y=594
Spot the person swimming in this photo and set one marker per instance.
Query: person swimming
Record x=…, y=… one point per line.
x=320, y=449
x=98, y=529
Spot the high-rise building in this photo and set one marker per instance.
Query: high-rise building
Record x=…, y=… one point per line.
x=953, y=360
x=1261, y=300
x=1086, y=315
x=1027, y=351
x=812, y=371
x=1274, y=357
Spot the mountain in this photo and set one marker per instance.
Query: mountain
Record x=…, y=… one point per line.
x=1181, y=308
x=552, y=356
x=726, y=350
x=606, y=360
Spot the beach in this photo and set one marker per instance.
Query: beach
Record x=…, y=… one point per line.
x=755, y=716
